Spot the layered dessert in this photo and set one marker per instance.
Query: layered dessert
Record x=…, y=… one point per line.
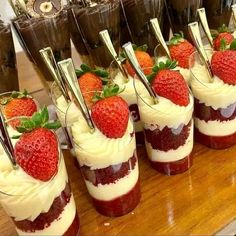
x=215, y=101
x=181, y=13
x=37, y=195
x=168, y=124
x=108, y=157
x=138, y=15
x=37, y=33
x=95, y=18
x=8, y=71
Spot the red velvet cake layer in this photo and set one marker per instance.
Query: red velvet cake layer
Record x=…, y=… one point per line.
x=173, y=168
x=121, y=205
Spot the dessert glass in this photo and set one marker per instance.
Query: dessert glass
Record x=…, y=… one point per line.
x=129, y=95
x=181, y=13
x=109, y=166
x=138, y=14
x=37, y=207
x=168, y=130
x=93, y=19
x=38, y=33
x=214, y=107
x=8, y=70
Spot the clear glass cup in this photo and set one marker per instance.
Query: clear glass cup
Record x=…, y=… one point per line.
x=168, y=130
x=109, y=166
x=138, y=14
x=8, y=70
x=182, y=13
x=129, y=95
x=214, y=107
x=93, y=19
x=38, y=207
x=38, y=33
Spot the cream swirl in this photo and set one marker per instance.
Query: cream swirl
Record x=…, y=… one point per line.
x=216, y=94
x=96, y=150
x=26, y=197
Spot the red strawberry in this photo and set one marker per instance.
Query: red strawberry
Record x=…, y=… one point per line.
x=180, y=50
x=37, y=149
x=170, y=84
x=144, y=59
x=111, y=115
x=223, y=34
x=89, y=82
x=223, y=64
x=19, y=104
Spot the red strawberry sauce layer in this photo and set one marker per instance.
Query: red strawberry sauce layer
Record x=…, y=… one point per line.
x=44, y=220
x=207, y=113
x=121, y=205
x=109, y=174
x=216, y=142
x=175, y=167
x=168, y=139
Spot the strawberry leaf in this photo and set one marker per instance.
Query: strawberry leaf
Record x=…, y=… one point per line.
x=223, y=45
x=85, y=68
x=151, y=76
x=101, y=73
x=37, y=119
x=15, y=136
x=52, y=125
x=44, y=115
x=78, y=72
x=4, y=101
x=176, y=39
x=223, y=29
x=143, y=48
x=233, y=45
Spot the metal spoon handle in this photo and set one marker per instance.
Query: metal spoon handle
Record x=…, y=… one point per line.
x=157, y=32
x=50, y=62
x=68, y=72
x=196, y=37
x=233, y=7
x=108, y=44
x=205, y=26
x=129, y=52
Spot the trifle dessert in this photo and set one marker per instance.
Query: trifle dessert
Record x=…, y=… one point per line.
x=180, y=50
x=167, y=124
x=215, y=99
x=36, y=193
x=128, y=92
x=107, y=156
x=8, y=70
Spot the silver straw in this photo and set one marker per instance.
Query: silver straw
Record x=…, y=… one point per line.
x=129, y=52
x=196, y=37
x=109, y=46
x=157, y=32
x=68, y=72
x=205, y=26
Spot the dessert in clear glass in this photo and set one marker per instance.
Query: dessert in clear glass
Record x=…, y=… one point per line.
x=37, y=195
x=109, y=165
x=168, y=124
x=8, y=70
x=215, y=106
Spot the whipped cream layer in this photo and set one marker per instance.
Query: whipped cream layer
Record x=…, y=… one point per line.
x=171, y=155
x=216, y=128
x=164, y=113
x=58, y=226
x=128, y=94
x=216, y=94
x=108, y=192
x=28, y=197
x=183, y=71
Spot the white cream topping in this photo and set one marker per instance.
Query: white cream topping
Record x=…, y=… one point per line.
x=111, y=191
x=25, y=191
x=216, y=127
x=60, y=225
x=216, y=94
x=171, y=155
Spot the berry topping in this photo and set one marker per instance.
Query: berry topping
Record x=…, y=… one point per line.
x=222, y=34
x=223, y=63
x=36, y=151
x=169, y=83
x=18, y=104
x=90, y=81
x=180, y=50
x=144, y=59
x=110, y=113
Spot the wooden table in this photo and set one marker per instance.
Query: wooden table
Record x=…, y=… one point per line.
x=201, y=201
